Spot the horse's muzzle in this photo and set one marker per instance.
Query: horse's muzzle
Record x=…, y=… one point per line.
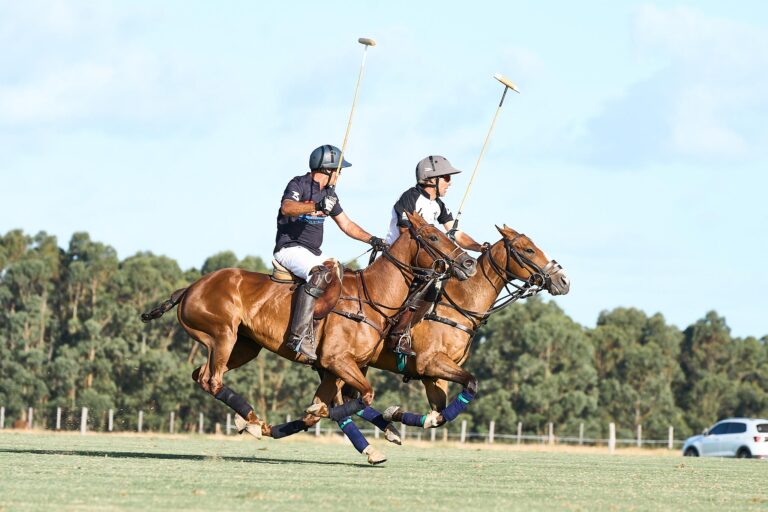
x=559, y=284
x=464, y=267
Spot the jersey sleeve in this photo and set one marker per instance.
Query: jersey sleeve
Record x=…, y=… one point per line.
x=293, y=191
x=337, y=209
x=445, y=213
x=406, y=203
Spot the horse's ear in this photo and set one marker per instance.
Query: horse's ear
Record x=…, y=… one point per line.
x=415, y=219
x=500, y=230
x=507, y=231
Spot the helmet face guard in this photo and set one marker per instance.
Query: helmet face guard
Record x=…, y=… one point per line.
x=326, y=157
x=434, y=166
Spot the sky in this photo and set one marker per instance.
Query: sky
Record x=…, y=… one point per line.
x=635, y=154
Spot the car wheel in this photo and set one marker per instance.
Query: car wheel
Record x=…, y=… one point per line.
x=691, y=452
x=744, y=453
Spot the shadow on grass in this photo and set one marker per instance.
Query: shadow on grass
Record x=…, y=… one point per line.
x=174, y=456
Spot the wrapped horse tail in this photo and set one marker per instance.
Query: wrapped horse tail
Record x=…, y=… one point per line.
x=169, y=304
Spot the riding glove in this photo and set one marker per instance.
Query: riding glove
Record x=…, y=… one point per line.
x=378, y=244
x=327, y=203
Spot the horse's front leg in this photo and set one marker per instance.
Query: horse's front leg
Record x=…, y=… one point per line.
x=445, y=369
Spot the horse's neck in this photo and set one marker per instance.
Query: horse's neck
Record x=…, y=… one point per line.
x=479, y=291
x=387, y=284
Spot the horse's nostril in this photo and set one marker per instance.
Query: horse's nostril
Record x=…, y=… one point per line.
x=469, y=264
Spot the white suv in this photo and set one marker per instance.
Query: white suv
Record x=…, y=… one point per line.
x=731, y=437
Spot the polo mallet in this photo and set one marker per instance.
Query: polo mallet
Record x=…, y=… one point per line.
x=507, y=85
x=365, y=42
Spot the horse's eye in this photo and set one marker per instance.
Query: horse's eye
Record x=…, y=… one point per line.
x=529, y=250
x=433, y=238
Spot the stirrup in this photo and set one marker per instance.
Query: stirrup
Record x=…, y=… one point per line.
x=304, y=346
x=402, y=346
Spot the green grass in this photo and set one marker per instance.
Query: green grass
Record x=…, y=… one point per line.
x=113, y=472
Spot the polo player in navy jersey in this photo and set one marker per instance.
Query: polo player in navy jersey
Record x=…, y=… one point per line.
x=305, y=205
x=433, y=178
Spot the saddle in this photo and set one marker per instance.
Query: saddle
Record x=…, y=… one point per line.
x=328, y=300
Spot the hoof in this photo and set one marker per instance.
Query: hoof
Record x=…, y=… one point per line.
x=242, y=425
x=319, y=410
x=390, y=412
x=431, y=420
x=392, y=435
x=374, y=455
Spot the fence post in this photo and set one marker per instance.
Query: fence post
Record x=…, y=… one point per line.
x=463, y=437
x=432, y=434
x=171, y=423
x=639, y=436
x=83, y=421
x=404, y=432
x=317, y=429
x=110, y=423
x=200, y=428
x=287, y=418
x=58, y=418
x=671, y=437
x=376, y=432
x=141, y=420
x=491, y=428
x=229, y=423
x=551, y=433
x=445, y=433
x=30, y=413
x=2, y=417
x=611, y=438
x=519, y=432
x=581, y=433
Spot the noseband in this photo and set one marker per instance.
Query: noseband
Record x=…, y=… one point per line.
x=442, y=265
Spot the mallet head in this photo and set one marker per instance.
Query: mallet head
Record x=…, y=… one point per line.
x=506, y=81
x=367, y=41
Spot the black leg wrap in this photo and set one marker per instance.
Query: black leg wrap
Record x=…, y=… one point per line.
x=235, y=402
x=288, y=429
x=340, y=412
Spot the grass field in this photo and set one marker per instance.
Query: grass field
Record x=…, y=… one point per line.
x=115, y=472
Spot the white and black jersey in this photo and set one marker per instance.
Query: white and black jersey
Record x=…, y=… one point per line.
x=416, y=199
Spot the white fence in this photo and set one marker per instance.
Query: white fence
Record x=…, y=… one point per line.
x=549, y=437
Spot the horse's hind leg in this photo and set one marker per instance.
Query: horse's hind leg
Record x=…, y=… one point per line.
x=443, y=368
x=227, y=351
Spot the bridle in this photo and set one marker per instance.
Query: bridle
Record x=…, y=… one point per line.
x=540, y=278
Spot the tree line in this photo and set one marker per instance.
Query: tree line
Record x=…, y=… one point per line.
x=71, y=337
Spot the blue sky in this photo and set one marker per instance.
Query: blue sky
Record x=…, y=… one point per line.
x=636, y=154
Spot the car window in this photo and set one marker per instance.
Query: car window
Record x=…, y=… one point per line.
x=722, y=428
x=762, y=428
x=736, y=428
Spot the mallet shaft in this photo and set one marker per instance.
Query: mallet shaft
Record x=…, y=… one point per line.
x=366, y=42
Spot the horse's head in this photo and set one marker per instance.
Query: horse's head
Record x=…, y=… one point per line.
x=528, y=263
x=436, y=250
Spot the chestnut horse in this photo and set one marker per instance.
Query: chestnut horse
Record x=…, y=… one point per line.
x=443, y=339
x=235, y=313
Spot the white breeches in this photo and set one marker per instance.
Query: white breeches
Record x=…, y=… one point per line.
x=298, y=260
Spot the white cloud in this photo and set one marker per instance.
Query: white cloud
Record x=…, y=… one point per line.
x=708, y=99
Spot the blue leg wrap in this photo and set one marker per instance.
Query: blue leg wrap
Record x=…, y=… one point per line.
x=235, y=402
x=340, y=412
x=288, y=429
x=353, y=434
x=413, y=420
x=371, y=415
x=459, y=405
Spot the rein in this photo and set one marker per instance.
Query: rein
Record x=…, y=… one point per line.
x=439, y=271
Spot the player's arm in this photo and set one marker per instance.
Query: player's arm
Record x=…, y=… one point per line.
x=350, y=228
x=295, y=208
x=464, y=240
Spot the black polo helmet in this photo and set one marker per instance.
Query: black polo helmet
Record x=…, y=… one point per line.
x=326, y=157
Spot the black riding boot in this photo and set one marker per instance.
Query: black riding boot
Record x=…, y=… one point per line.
x=302, y=337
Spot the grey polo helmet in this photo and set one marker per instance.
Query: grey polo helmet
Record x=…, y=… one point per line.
x=326, y=157
x=434, y=166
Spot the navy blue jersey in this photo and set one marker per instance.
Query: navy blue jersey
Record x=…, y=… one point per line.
x=304, y=230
